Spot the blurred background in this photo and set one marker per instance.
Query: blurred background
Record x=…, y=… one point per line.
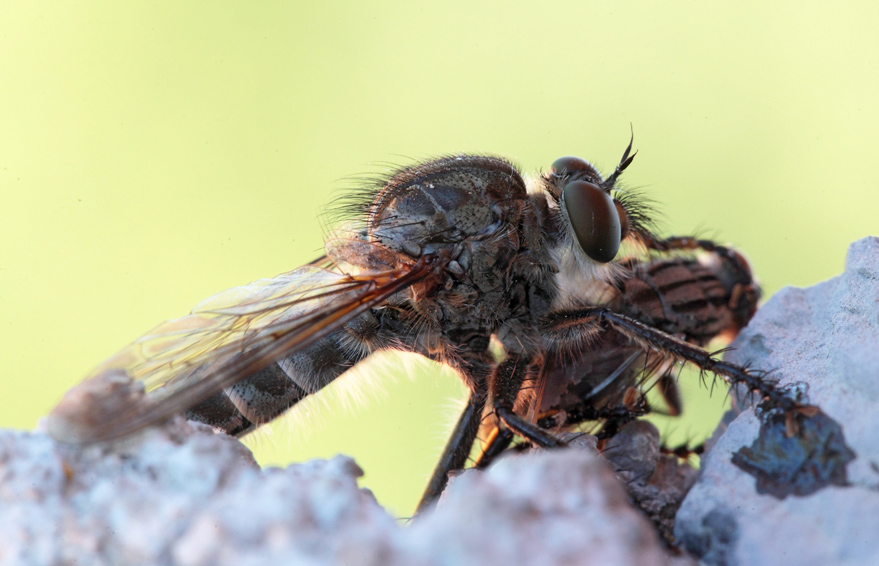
x=155, y=153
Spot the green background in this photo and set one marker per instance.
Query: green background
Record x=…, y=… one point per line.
x=155, y=153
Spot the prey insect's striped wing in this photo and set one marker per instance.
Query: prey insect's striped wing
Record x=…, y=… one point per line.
x=226, y=338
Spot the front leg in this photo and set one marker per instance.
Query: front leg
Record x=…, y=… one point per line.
x=798, y=450
x=582, y=324
x=504, y=387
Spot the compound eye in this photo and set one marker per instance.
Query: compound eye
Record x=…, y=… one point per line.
x=594, y=218
x=571, y=166
x=624, y=219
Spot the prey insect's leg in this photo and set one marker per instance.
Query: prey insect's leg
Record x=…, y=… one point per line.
x=668, y=388
x=503, y=389
x=589, y=320
x=460, y=443
x=683, y=243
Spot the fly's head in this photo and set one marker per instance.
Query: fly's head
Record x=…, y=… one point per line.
x=594, y=218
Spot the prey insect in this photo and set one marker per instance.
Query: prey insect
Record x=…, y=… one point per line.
x=443, y=259
x=695, y=299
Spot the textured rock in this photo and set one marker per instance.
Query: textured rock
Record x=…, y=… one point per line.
x=826, y=337
x=180, y=494
x=548, y=507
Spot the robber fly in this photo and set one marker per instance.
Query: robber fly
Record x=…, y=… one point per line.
x=443, y=258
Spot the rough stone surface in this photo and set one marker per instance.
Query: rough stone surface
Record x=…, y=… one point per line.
x=182, y=495
x=178, y=495
x=548, y=507
x=827, y=337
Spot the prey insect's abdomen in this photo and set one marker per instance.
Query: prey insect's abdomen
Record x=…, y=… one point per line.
x=686, y=297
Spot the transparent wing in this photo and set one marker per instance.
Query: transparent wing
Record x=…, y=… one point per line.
x=226, y=338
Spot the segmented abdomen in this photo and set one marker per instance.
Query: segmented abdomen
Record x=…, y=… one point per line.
x=266, y=394
x=681, y=297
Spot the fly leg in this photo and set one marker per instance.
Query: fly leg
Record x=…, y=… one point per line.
x=588, y=321
x=499, y=439
x=798, y=450
x=503, y=389
x=458, y=447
